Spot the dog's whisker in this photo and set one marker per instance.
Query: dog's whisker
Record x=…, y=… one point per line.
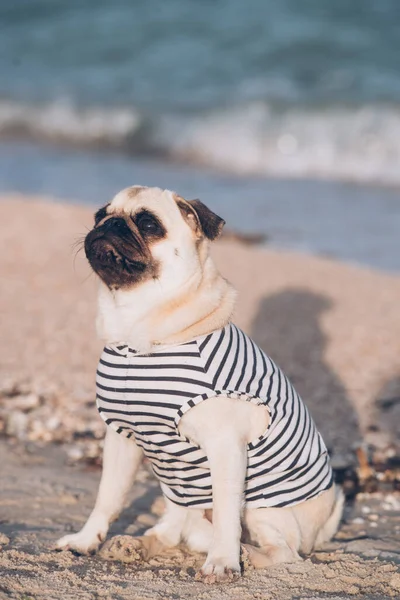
x=88, y=276
x=77, y=246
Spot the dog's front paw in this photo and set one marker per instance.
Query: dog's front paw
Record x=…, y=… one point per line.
x=217, y=569
x=86, y=541
x=79, y=542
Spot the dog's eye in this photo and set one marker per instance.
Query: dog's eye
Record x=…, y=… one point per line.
x=147, y=224
x=100, y=214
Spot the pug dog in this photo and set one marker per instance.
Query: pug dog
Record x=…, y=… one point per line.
x=239, y=460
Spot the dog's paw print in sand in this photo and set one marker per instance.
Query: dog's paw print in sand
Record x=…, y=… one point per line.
x=125, y=548
x=143, y=549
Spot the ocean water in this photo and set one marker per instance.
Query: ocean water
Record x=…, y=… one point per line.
x=287, y=88
x=353, y=223
x=283, y=115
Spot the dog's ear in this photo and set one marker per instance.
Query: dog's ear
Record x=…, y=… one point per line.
x=200, y=218
x=101, y=214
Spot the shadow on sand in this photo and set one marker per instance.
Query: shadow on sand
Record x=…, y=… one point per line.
x=287, y=327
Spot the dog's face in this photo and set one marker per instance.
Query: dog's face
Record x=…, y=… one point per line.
x=149, y=234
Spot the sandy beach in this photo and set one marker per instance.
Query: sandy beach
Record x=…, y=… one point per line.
x=333, y=328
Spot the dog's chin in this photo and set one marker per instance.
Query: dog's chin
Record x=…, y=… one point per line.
x=113, y=266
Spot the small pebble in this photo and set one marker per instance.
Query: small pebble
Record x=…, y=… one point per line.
x=391, y=503
x=4, y=540
x=16, y=424
x=75, y=453
x=24, y=402
x=373, y=517
x=53, y=422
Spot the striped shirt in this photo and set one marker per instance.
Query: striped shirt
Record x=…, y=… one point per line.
x=145, y=396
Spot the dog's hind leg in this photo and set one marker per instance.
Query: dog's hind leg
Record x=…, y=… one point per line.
x=121, y=460
x=330, y=527
x=318, y=518
x=198, y=531
x=179, y=523
x=170, y=527
x=280, y=534
x=276, y=534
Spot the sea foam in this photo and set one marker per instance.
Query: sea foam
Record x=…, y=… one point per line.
x=357, y=144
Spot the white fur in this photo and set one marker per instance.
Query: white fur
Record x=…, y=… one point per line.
x=190, y=298
x=121, y=460
x=223, y=427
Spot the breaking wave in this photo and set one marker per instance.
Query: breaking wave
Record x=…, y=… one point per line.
x=359, y=144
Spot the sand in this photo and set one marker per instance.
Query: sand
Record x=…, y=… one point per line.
x=335, y=330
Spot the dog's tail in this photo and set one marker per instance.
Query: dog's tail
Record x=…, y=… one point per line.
x=330, y=527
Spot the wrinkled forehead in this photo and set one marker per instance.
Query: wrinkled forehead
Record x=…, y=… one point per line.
x=136, y=198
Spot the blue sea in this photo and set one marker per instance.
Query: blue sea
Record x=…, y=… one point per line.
x=282, y=114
